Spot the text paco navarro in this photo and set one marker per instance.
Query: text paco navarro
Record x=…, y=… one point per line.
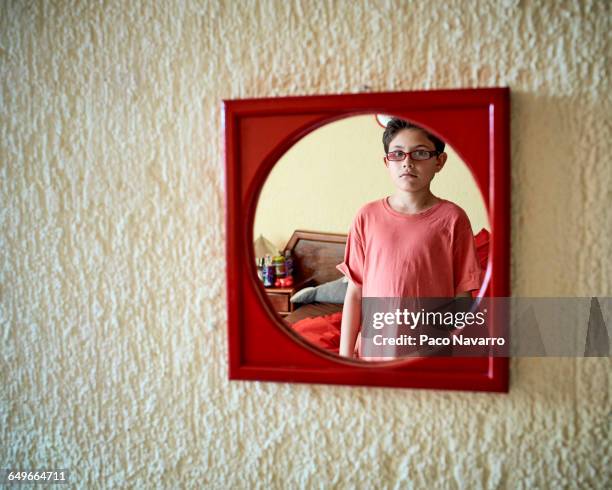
x=435, y=341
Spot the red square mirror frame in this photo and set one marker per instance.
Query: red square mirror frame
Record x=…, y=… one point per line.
x=475, y=122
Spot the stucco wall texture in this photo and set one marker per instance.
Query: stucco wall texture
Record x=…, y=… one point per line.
x=113, y=303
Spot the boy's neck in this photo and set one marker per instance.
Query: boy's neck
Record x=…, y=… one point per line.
x=412, y=202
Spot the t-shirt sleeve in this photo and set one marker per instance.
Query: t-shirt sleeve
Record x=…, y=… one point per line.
x=467, y=274
x=354, y=257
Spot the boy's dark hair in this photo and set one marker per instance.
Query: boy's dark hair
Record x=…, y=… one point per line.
x=396, y=125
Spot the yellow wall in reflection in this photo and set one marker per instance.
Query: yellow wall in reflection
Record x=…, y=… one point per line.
x=321, y=182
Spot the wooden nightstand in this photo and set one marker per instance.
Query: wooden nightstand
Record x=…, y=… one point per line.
x=279, y=297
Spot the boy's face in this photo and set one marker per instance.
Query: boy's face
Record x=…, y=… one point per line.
x=410, y=175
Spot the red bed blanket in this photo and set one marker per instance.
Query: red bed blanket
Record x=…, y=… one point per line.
x=322, y=331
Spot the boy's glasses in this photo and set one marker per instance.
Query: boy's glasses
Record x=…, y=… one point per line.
x=418, y=155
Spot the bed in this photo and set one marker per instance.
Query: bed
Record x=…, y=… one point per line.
x=315, y=256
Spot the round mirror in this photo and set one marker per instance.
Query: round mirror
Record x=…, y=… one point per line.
x=314, y=198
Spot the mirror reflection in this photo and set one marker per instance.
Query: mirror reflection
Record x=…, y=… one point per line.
x=356, y=210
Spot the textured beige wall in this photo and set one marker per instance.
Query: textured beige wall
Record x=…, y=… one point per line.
x=321, y=182
x=112, y=293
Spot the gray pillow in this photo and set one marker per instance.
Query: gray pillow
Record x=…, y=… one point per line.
x=330, y=292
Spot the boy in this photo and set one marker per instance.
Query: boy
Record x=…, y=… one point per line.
x=411, y=244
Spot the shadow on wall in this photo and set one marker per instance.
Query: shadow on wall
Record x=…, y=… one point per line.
x=558, y=208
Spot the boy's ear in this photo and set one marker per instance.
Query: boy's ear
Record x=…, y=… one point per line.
x=441, y=161
x=386, y=162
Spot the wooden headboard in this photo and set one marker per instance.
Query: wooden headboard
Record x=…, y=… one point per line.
x=316, y=254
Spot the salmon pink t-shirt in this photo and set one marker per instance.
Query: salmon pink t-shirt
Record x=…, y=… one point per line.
x=428, y=254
